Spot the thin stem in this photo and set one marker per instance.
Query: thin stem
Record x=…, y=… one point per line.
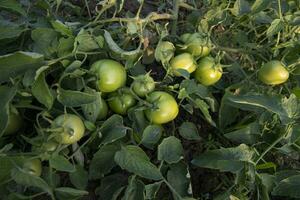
x=175, y=15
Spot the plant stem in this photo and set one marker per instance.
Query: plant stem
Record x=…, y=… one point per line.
x=175, y=15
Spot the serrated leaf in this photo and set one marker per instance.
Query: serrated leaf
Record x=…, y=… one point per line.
x=12, y=65
x=177, y=177
x=135, y=160
x=260, y=5
x=60, y=163
x=12, y=5
x=151, y=135
x=170, y=150
x=288, y=187
x=111, y=186
x=249, y=134
x=73, y=98
x=79, y=178
x=134, y=190
x=188, y=130
x=41, y=91
x=225, y=159
x=241, y=7
x=202, y=105
x=103, y=161
x=85, y=41
x=276, y=26
x=7, y=94
x=26, y=179
x=112, y=129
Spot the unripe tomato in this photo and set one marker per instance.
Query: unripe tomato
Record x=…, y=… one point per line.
x=165, y=107
x=143, y=85
x=14, y=121
x=33, y=167
x=111, y=75
x=273, y=73
x=72, y=128
x=49, y=146
x=183, y=61
x=197, y=45
x=121, y=100
x=208, y=72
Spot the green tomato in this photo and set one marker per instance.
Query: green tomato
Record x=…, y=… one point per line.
x=49, y=146
x=70, y=128
x=273, y=73
x=143, y=85
x=183, y=61
x=121, y=100
x=165, y=107
x=14, y=121
x=208, y=72
x=196, y=44
x=33, y=167
x=111, y=75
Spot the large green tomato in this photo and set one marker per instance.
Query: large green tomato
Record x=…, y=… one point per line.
x=273, y=73
x=208, y=72
x=33, y=167
x=111, y=75
x=14, y=121
x=183, y=61
x=143, y=85
x=196, y=44
x=70, y=128
x=165, y=107
x=121, y=100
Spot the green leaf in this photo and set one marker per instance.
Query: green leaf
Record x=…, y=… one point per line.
x=188, y=130
x=23, y=178
x=225, y=159
x=177, y=177
x=134, y=190
x=62, y=28
x=112, y=129
x=260, y=5
x=79, y=178
x=12, y=5
x=276, y=26
x=116, y=49
x=7, y=94
x=152, y=189
x=10, y=30
x=249, y=134
x=41, y=91
x=68, y=193
x=111, y=186
x=103, y=161
x=85, y=41
x=254, y=102
x=45, y=41
x=92, y=110
x=65, y=46
x=6, y=167
x=241, y=7
x=60, y=163
x=151, y=135
x=12, y=65
x=199, y=103
x=135, y=160
x=72, y=98
x=288, y=187
x=170, y=150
